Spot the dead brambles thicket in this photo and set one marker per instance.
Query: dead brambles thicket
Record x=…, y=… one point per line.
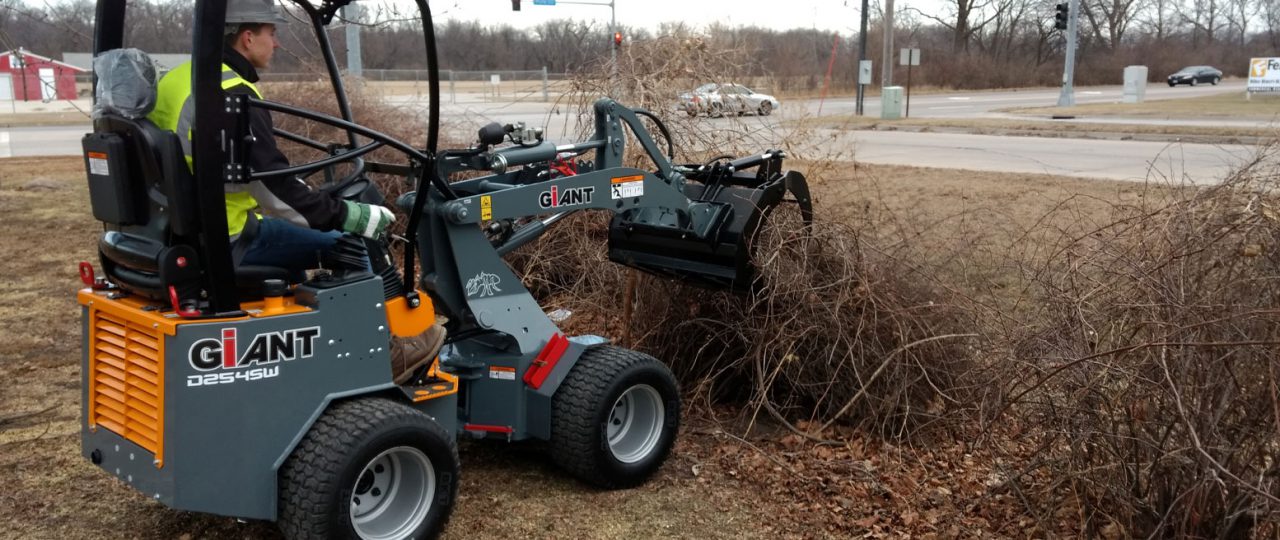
x=1136, y=351
x=1153, y=364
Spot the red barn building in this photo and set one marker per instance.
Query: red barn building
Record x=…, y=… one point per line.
x=30, y=77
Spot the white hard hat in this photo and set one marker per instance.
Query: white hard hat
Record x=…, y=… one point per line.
x=254, y=11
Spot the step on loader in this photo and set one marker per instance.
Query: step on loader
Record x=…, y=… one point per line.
x=241, y=391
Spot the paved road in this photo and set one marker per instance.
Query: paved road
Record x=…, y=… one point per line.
x=984, y=103
x=41, y=141
x=1119, y=160
x=1084, y=158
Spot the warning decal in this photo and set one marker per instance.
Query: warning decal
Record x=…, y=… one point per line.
x=502, y=372
x=624, y=187
x=98, y=164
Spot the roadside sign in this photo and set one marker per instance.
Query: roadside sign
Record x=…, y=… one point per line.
x=864, y=72
x=909, y=57
x=544, y=2
x=1264, y=75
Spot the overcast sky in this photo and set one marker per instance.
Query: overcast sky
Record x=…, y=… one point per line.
x=834, y=15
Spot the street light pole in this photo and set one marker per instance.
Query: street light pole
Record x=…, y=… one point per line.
x=862, y=55
x=886, y=69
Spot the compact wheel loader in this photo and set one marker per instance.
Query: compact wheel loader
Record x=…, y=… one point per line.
x=237, y=390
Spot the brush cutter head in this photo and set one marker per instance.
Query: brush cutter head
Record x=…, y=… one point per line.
x=656, y=242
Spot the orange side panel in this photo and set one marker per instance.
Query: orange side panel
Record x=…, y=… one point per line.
x=407, y=322
x=126, y=369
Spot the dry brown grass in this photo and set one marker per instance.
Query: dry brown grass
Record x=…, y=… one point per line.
x=1045, y=127
x=701, y=491
x=74, y=118
x=1226, y=105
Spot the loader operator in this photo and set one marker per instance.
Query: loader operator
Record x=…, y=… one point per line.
x=300, y=224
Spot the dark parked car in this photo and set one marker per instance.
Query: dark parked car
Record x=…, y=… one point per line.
x=1194, y=75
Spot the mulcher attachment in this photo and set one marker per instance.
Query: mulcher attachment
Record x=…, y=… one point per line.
x=715, y=251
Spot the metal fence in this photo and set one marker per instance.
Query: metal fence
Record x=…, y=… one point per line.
x=507, y=84
x=515, y=85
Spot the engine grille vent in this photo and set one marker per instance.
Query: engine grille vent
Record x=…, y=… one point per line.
x=126, y=374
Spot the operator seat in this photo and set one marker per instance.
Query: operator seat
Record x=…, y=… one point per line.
x=142, y=190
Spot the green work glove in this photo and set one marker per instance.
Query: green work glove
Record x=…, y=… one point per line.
x=367, y=220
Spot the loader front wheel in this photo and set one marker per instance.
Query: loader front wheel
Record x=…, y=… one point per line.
x=615, y=417
x=372, y=469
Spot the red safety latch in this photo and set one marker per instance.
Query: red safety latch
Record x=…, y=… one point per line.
x=87, y=277
x=177, y=305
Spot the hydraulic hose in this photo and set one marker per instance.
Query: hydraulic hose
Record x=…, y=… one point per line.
x=428, y=171
x=671, y=149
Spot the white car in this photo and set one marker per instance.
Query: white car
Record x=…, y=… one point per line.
x=716, y=100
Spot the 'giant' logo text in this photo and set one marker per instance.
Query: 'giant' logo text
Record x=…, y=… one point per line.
x=269, y=348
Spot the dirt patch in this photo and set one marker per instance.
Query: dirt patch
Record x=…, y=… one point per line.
x=720, y=483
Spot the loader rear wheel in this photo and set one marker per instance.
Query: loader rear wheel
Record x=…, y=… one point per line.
x=373, y=469
x=615, y=417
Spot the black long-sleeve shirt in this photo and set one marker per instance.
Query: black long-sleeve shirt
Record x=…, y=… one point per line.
x=283, y=197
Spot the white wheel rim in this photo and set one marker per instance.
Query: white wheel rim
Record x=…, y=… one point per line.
x=635, y=423
x=393, y=494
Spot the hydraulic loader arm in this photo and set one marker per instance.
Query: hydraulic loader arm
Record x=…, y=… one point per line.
x=611, y=186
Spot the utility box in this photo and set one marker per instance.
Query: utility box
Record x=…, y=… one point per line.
x=891, y=102
x=1135, y=84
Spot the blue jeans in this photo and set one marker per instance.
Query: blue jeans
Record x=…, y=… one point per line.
x=282, y=244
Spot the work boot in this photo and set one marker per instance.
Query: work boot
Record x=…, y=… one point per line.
x=408, y=354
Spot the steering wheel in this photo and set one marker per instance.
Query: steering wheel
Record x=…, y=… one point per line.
x=351, y=185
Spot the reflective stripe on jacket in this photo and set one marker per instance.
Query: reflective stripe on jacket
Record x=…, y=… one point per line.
x=175, y=111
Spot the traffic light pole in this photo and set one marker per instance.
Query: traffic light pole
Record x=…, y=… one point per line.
x=1068, y=98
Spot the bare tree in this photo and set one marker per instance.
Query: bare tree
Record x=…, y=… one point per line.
x=1158, y=18
x=1109, y=19
x=965, y=18
x=1205, y=18
x=1238, y=14
x=1271, y=17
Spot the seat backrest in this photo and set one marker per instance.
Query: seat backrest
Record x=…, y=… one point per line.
x=139, y=169
x=141, y=187
x=139, y=183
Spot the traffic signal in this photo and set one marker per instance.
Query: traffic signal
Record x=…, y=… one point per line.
x=515, y=5
x=617, y=40
x=1060, y=18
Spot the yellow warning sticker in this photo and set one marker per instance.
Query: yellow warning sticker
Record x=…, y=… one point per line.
x=486, y=207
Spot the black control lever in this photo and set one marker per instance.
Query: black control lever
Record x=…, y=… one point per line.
x=492, y=133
